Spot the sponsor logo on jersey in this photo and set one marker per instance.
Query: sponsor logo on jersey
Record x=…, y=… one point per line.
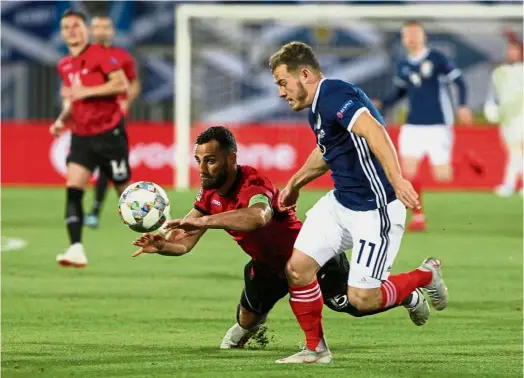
x=344, y=109
x=216, y=202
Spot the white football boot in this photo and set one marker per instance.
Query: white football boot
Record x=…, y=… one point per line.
x=74, y=256
x=419, y=311
x=437, y=290
x=237, y=337
x=307, y=356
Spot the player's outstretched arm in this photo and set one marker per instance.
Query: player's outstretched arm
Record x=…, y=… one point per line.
x=175, y=243
x=243, y=220
x=380, y=144
x=313, y=168
x=117, y=83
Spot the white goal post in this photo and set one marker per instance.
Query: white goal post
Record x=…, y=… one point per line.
x=293, y=13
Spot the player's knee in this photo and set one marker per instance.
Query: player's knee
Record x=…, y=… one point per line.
x=297, y=274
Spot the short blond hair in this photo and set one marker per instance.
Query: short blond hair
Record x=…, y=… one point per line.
x=294, y=55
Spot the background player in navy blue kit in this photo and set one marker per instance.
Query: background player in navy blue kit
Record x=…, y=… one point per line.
x=366, y=211
x=424, y=76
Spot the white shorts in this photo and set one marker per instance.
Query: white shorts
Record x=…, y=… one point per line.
x=512, y=134
x=436, y=141
x=374, y=236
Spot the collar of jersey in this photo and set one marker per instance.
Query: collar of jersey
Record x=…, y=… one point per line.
x=421, y=56
x=233, y=186
x=314, y=105
x=82, y=51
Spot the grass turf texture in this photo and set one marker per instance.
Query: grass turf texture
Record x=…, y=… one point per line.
x=160, y=316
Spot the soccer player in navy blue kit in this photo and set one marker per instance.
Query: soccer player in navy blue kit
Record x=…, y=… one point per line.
x=365, y=212
x=424, y=76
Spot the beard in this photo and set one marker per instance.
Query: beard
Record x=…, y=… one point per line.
x=216, y=182
x=301, y=97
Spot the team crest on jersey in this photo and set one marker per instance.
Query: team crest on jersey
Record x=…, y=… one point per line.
x=426, y=68
x=199, y=195
x=344, y=108
x=415, y=79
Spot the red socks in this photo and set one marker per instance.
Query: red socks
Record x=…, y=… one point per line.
x=306, y=303
x=397, y=287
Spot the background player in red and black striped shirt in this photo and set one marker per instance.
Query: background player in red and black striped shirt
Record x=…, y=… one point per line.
x=92, y=78
x=103, y=33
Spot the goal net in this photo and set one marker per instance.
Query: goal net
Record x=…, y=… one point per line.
x=222, y=53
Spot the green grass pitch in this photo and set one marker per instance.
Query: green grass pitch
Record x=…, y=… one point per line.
x=155, y=316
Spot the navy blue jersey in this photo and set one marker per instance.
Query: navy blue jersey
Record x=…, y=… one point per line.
x=360, y=181
x=426, y=81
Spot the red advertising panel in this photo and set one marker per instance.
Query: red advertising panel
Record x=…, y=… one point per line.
x=31, y=156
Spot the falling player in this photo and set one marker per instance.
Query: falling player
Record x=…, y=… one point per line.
x=92, y=78
x=103, y=33
x=365, y=212
x=505, y=105
x=242, y=202
x=424, y=76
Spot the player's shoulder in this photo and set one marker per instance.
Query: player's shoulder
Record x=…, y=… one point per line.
x=251, y=177
x=64, y=61
x=335, y=93
x=121, y=51
x=437, y=55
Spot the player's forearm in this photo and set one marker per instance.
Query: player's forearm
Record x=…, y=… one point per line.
x=174, y=249
x=66, y=111
x=114, y=86
x=380, y=144
x=243, y=220
x=313, y=168
x=133, y=91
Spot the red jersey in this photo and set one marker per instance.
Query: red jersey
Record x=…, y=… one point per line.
x=91, y=67
x=127, y=64
x=270, y=245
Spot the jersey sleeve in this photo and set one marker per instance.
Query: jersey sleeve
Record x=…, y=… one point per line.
x=447, y=67
x=398, y=80
x=348, y=113
x=109, y=63
x=201, y=202
x=129, y=66
x=249, y=192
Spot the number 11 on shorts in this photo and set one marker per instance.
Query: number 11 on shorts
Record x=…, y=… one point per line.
x=362, y=248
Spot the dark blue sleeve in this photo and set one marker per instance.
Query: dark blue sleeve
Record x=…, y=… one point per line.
x=398, y=92
x=448, y=68
x=348, y=111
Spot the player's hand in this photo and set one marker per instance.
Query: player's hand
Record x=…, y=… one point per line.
x=406, y=194
x=56, y=128
x=465, y=116
x=287, y=199
x=149, y=243
x=188, y=224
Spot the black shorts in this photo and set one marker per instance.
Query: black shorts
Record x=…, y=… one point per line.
x=108, y=151
x=263, y=289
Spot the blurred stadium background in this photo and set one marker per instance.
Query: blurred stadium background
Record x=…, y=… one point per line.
x=157, y=317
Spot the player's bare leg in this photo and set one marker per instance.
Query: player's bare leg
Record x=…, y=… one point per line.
x=246, y=326
x=410, y=167
x=443, y=172
x=512, y=170
x=306, y=302
x=92, y=219
x=77, y=180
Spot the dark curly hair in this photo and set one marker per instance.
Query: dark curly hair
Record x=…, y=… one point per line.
x=225, y=138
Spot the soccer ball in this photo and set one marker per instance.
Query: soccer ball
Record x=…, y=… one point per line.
x=142, y=206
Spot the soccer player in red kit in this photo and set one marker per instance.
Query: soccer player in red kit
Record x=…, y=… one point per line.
x=103, y=33
x=92, y=78
x=242, y=202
